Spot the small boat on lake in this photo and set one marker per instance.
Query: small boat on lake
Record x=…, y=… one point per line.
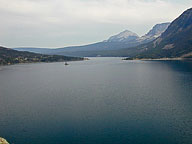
x=66, y=63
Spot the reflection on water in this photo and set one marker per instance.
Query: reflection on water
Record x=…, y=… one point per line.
x=103, y=100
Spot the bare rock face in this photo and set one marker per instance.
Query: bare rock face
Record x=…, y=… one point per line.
x=3, y=141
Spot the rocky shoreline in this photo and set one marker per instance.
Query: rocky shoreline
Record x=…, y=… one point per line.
x=3, y=141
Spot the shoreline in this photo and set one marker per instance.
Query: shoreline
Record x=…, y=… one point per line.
x=83, y=59
x=161, y=59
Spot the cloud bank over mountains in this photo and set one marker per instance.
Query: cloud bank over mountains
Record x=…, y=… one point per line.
x=55, y=23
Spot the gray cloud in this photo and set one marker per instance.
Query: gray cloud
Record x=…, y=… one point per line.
x=56, y=23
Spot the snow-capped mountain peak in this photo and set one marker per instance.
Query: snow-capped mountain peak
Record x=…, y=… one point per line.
x=128, y=37
x=124, y=36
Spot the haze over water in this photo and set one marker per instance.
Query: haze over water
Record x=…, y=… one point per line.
x=100, y=101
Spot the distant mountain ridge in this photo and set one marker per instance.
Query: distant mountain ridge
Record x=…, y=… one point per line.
x=125, y=36
x=120, y=41
x=155, y=32
x=175, y=42
x=163, y=41
x=131, y=37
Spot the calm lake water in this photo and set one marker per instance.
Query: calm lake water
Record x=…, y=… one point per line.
x=100, y=101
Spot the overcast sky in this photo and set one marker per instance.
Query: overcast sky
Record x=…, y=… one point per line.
x=58, y=23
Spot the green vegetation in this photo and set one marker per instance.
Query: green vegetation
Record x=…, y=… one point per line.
x=10, y=56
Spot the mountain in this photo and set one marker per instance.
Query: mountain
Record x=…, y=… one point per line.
x=130, y=37
x=10, y=56
x=175, y=42
x=125, y=36
x=108, y=47
x=35, y=50
x=86, y=50
x=154, y=33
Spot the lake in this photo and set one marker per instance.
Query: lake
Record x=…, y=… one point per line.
x=99, y=101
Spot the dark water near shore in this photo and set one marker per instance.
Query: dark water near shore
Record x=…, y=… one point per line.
x=100, y=101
